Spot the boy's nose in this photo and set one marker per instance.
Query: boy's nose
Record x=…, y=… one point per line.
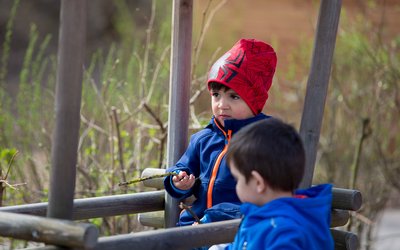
x=222, y=104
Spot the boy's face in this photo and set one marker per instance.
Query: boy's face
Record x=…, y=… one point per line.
x=247, y=192
x=227, y=104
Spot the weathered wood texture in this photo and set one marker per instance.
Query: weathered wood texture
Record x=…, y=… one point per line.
x=64, y=151
x=193, y=236
x=317, y=85
x=156, y=182
x=339, y=217
x=49, y=231
x=347, y=199
x=179, y=95
x=101, y=206
x=156, y=219
x=152, y=219
x=149, y=204
x=345, y=240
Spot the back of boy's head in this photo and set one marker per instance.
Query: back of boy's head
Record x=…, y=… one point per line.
x=272, y=148
x=247, y=68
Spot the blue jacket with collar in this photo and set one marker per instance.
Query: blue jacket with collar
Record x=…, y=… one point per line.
x=204, y=158
x=288, y=223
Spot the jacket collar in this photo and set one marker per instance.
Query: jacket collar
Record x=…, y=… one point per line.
x=235, y=125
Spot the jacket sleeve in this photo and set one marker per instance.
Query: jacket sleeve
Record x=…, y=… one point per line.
x=190, y=163
x=220, y=212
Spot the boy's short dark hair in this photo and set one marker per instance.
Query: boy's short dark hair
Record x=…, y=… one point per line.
x=272, y=148
x=215, y=86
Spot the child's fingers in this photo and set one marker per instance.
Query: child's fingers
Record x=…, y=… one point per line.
x=179, y=177
x=188, y=181
x=185, y=182
x=188, y=178
x=176, y=178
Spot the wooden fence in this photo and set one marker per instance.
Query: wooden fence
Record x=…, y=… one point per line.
x=170, y=238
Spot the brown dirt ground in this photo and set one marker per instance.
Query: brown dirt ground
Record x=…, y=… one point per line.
x=284, y=23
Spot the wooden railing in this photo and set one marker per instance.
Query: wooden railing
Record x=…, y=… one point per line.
x=151, y=207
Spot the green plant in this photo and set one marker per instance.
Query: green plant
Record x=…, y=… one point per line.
x=7, y=157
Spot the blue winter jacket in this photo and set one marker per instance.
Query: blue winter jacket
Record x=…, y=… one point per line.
x=288, y=223
x=204, y=158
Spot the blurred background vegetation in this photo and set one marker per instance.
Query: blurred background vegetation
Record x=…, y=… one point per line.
x=125, y=93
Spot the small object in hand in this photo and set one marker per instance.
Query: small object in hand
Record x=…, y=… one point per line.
x=126, y=183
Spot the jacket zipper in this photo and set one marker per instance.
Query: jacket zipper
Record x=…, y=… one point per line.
x=216, y=166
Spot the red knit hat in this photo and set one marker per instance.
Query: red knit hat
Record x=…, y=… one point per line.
x=247, y=68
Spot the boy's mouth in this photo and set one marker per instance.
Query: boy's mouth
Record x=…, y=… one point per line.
x=224, y=117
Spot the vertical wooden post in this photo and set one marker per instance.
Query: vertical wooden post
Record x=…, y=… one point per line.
x=178, y=119
x=71, y=55
x=318, y=81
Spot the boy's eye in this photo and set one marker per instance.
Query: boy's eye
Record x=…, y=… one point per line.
x=215, y=94
x=235, y=97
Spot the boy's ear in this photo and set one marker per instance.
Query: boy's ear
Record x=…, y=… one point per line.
x=261, y=184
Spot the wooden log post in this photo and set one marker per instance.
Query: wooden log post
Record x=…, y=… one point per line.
x=50, y=231
x=71, y=55
x=317, y=85
x=178, y=117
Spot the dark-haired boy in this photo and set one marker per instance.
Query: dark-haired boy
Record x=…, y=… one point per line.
x=267, y=159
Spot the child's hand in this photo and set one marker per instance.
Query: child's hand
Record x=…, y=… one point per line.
x=183, y=181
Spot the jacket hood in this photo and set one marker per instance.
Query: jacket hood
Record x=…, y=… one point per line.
x=311, y=213
x=317, y=203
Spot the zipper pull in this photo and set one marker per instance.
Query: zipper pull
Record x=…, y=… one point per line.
x=229, y=135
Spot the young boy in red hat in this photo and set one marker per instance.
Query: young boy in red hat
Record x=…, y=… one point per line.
x=238, y=82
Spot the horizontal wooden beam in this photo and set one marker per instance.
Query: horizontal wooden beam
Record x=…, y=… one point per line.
x=152, y=219
x=171, y=238
x=47, y=230
x=192, y=237
x=345, y=240
x=156, y=219
x=112, y=205
x=155, y=182
x=154, y=201
x=339, y=217
x=345, y=199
